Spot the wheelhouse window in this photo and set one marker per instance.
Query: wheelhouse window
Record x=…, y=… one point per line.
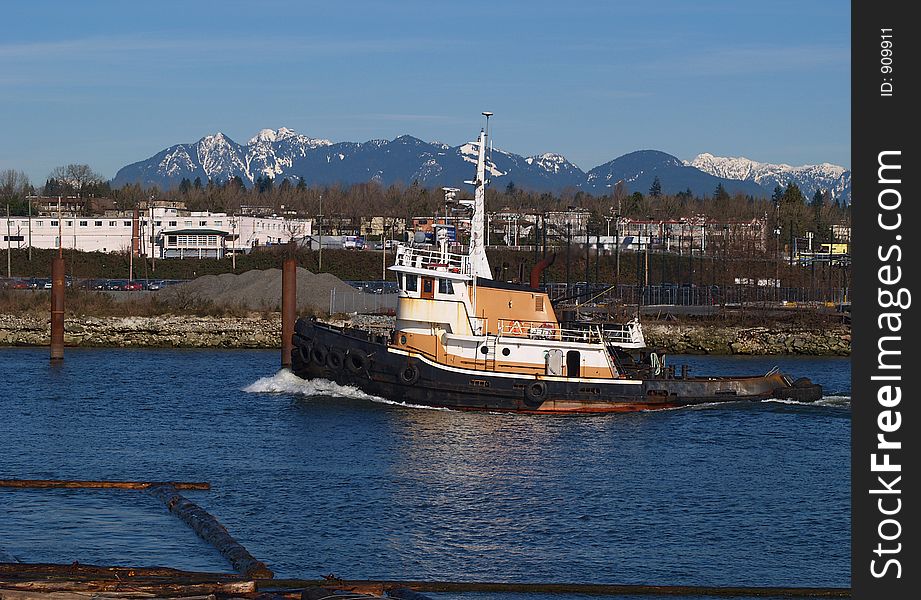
x=412, y=282
x=445, y=287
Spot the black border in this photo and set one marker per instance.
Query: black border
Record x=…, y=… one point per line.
x=882, y=123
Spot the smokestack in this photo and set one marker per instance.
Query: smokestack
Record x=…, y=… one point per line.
x=539, y=269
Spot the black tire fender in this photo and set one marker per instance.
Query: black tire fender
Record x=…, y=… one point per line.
x=318, y=354
x=304, y=352
x=335, y=359
x=356, y=360
x=535, y=393
x=409, y=374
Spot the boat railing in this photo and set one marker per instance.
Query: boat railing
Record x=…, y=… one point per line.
x=547, y=330
x=421, y=258
x=629, y=334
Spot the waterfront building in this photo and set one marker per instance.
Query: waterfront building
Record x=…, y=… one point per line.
x=161, y=232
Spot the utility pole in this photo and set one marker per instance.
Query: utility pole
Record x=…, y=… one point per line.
x=568, y=255
x=9, y=251
x=320, y=261
x=617, y=248
x=153, y=238
x=29, y=202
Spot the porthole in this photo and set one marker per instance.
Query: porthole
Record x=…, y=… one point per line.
x=402, y=340
x=484, y=350
x=506, y=352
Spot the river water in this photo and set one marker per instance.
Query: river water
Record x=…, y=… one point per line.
x=315, y=479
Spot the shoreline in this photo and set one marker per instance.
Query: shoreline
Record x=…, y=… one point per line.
x=263, y=331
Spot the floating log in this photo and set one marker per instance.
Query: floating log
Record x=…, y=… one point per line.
x=65, y=582
x=118, y=485
x=588, y=589
x=209, y=529
x=76, y=570
x=124, y=588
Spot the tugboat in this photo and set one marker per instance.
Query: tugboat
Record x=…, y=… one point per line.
x=465, y=341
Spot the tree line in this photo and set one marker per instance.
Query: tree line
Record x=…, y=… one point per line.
x=787, y=211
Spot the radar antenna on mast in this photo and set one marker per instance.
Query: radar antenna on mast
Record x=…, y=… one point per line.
x=477, y=249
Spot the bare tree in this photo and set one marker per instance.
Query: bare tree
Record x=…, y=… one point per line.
x=77, y=177
x=14, y=188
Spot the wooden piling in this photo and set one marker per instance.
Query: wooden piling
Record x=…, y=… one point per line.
x=288, y=309
x=118, y=485
x=209, y=529
x=57, y=308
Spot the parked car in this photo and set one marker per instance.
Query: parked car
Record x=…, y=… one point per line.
x=353, y=242
x=133, y=286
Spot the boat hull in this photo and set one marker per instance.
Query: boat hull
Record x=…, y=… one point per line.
x=366, y=361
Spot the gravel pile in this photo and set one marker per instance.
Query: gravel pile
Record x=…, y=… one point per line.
x=261, y=290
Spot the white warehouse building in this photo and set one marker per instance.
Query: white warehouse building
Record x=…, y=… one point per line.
x=162, y=233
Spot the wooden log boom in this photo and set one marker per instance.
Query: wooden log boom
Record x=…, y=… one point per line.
x=209, y=529
x=116, y=485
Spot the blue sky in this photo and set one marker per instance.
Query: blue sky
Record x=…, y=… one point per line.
x=111, y=83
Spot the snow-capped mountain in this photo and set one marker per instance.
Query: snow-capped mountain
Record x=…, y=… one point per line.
x=828, y=177
x=286, y=154
x=638, y=170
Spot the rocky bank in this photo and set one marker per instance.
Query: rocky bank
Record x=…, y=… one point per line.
x=779, y=339
x=140, y=332
x=264, y=331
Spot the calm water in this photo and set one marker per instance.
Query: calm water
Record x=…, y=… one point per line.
x=315, y=479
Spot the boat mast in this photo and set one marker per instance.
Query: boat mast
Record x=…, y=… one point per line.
x=479, y=264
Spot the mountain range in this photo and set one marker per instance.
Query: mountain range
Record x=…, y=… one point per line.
x=283, y=153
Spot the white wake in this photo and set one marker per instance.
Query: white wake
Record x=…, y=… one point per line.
x=835, y=401
x=286, y=382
